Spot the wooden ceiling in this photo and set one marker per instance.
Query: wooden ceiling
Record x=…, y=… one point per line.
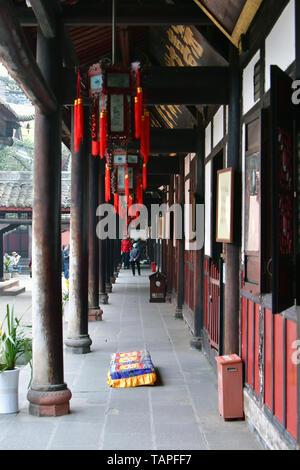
x=155, y=33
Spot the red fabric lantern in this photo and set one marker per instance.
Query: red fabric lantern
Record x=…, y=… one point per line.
x=116, y=202
x=103, y=133
x=147, y=136
x=78, y=117
x=107, y=183
x=95, y=129
x=129, y=202
x=142, y=143
x=144, y=175
x=138, y=111
x=139, y=191
x=127, y=185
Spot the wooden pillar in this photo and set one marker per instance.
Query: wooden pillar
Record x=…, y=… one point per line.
x=48, y=394
x=108, y=285
x=95, y=312
x=180, y=249
x=112, y=261
x=103, y=297
x=78, y=340
x=232, y=251
x=196, y=341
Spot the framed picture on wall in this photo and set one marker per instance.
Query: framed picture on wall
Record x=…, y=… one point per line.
x=224, y=212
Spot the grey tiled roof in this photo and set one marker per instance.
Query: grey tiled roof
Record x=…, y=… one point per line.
x=16, y=189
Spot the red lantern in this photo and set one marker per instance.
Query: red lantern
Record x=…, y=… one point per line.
x=78, y=117
x=103, y=133
x=126, y=184
x=95, y=129
x=116, y=202
x=144, y=175
x=107, y=183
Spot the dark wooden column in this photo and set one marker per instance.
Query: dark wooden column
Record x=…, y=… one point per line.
x=48, y=394
x=108, y=285
x=95, y=312
x=103, y=297
x=196, y=341
x=78, y=340
x=232, y=251
x=112, y=260
x=180, y=248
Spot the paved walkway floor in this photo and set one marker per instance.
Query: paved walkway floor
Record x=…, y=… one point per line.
x=179, y=412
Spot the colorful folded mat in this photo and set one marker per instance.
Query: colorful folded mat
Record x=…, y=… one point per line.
x=131, y=369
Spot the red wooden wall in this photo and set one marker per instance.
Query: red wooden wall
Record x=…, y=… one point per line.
x=279, y=387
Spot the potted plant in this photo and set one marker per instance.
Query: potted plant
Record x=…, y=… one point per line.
x=6, y=274
x=14, y=343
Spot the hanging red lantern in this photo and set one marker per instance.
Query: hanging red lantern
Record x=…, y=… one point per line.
x=144, y=175
x=107, y=183
x=139, y=190
x=130, y=202
x=78, y=117
x=142, y=143
x=116, y=202
x=103, y=133
x=95, y=128
x=147, y=136
x=126, y=184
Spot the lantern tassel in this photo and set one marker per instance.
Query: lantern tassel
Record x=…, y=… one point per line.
x=138, y=108
x=127, y=185
x=107, y=183
x=103, y=133
x=95, y=129
x=147, y=136
x=78, y=117
x=144, y=175
x=142, y=143
x=116, y=202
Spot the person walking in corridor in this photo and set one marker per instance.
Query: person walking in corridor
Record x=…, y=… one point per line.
x=135, y=255
x=66, y=261
x=125, y=251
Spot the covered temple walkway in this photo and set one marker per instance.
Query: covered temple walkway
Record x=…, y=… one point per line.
x=179, y=412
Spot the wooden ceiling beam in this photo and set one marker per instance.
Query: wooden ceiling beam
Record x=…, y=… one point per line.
x=45, y=15
x=168, y=141
x=126, y=15
x=186, y=85
x=243, y=23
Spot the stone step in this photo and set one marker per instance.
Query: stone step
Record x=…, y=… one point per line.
x=14, y=282
x=11, y=291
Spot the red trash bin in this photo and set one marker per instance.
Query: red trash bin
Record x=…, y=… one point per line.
x=230, y=386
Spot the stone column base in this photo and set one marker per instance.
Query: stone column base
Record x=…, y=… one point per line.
x=79, y=345
x=103, y=298
x=108, y=288
x=196, y=343
x=95, y=314
x=49, y=402
x=178, y=313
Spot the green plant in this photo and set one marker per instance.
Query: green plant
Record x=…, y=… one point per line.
x=6, y=265
x=13, y=341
